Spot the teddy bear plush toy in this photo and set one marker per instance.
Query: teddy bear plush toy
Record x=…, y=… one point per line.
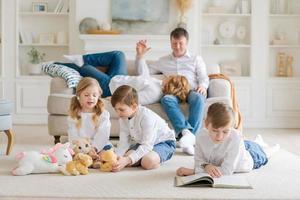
x=83, y=145
x=108, y=159
x=79, y=165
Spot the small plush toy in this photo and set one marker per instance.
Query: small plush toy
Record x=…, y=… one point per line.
x=79, y=165
x=83, y=145
x=43, y=162
x=108, y=159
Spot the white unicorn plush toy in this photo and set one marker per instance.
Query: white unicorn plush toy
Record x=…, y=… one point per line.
x=50, y=161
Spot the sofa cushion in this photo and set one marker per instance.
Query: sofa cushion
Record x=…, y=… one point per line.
x=59, y=103
x=6, y=107
x=59, y=85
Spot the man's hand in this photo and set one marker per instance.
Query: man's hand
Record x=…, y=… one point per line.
x=121, y=163
x=213, y=171
x=201, y=90
x=141, y=48
x=182, y=171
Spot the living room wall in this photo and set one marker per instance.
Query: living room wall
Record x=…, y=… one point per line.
x=101, y=11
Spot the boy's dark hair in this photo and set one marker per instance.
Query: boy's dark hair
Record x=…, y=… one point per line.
x=125, y=95
x=179, y=32
x=220, y=115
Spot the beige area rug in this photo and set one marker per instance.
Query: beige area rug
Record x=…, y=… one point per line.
x=280, y=179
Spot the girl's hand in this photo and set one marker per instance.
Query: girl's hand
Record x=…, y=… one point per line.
x=141, y=48
x=93, y=154
x=213, y=171
x=121, y=163
x=182, y=171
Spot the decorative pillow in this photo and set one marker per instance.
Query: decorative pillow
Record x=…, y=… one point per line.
x=55, y=70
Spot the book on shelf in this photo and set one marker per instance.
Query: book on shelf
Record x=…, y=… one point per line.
x=61, y=7
x=58, y=5
x=205, y=180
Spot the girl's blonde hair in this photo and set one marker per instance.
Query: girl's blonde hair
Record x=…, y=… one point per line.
x=219, y=115
x=176, y=85
x=75, y=106
x=125, y=95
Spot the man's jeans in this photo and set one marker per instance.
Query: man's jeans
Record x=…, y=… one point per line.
x=114, y=61
x=196, y=103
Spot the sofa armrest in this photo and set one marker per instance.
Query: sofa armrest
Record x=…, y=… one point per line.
x=59, y=86
x=219, y=88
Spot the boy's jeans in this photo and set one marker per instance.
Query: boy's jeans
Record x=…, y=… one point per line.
x=196, y=103
x=257, y=153
x=114, y=61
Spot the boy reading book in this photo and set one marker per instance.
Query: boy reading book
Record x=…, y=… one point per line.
x=221, y=150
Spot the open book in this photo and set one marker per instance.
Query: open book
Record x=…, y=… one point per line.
x=205, y=180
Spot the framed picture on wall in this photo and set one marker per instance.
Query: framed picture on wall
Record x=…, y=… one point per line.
x=39, y=7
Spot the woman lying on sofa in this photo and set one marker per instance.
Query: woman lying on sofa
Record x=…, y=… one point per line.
x=110, y=69
x=101, y=66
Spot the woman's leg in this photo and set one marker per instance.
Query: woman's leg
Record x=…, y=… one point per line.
x=71, y=65
x=102, y=78
x=114, y=61
x=91, y=71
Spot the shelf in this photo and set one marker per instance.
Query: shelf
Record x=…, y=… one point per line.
x=225, y=15
x=43, y=45
x=44, y=14
x=284, y=15
x=284, y=46
x=30, y=77
x=227, y=46
x=273, y=78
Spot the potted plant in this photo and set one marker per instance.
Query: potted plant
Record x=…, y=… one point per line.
x=35, y=58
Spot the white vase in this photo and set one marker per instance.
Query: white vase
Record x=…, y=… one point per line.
x=61, y=37
x=34, y=69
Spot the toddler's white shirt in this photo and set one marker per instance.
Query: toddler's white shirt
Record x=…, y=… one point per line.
x=99, y=136
x=145, y=128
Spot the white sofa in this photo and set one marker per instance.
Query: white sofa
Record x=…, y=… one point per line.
x=60, y=95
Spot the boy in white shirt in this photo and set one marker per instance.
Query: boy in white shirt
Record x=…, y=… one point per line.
x=221, y=149
x=153, y=140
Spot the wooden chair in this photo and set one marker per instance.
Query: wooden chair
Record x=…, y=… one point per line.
x=6, y=123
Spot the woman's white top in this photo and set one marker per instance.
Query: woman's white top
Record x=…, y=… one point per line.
x=148, y=88
x=229, y=156
x=98, y=134
x=145, y=128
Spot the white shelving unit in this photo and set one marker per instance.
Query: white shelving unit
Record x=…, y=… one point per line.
x=284, y=34
x=283, y=91
x=217, y=49
x=34, y=33
x=47, y=32
x=1, y=63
